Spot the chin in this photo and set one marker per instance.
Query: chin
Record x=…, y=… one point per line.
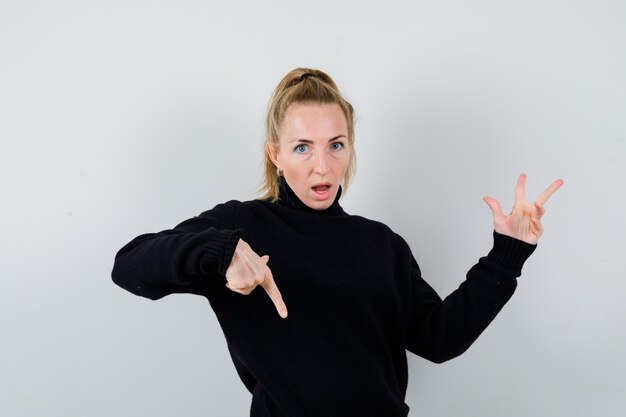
x=322, y=206
x=319, y=205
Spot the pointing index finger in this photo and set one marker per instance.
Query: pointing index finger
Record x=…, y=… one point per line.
x=269, y=285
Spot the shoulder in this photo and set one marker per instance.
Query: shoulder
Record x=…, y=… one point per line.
x=371, y=223
x=380, y=230
x=221, y=216
x=234, y=210
x=226, y=209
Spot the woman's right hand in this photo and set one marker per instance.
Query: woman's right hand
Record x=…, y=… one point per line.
x=247, y=270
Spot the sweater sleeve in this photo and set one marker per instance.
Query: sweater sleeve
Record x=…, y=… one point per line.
x=180, y=260
x=440, y=330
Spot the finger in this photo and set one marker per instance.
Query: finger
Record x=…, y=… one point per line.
x=244, y=291
x=539, y=210
x=265, y=258
x=536, y=223
x=547, y=193
x=494, y=205
x=233, y=288
x=269, y=285
x=520, y=193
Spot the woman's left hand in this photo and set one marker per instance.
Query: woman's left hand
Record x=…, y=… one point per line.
x=524, y=221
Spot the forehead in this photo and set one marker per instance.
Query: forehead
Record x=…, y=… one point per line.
x=313, y=121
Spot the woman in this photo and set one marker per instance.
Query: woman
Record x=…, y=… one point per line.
x=348, y=292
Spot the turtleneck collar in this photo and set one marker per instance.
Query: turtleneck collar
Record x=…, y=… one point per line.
x=287, y=198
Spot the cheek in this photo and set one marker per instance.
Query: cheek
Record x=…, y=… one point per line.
x=343, y=160
x=295, y=169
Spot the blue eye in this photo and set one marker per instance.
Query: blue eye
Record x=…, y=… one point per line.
x=299, y=147
x=335, y=147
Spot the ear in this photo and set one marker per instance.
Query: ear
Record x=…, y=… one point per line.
x=270, y=151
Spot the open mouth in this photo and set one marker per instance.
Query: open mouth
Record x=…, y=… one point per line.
x=321, y=188
x=322, y=191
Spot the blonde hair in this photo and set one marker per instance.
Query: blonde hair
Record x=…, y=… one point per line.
x=308, y=86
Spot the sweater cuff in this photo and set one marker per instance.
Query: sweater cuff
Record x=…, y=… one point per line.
x=509, y=252
x=218, y=252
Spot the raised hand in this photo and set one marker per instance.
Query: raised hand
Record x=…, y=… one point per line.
x=524, y=221
x=247, y=270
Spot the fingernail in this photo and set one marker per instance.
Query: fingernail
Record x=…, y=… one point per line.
x=283, y=313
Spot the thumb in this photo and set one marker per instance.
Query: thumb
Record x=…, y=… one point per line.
x=265, y=258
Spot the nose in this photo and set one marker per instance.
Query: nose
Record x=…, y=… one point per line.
x=320, y=164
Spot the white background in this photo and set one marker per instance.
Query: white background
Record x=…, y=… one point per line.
x=124, y=117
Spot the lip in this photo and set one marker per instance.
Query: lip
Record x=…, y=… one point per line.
x=319, y=184
x=324, y=195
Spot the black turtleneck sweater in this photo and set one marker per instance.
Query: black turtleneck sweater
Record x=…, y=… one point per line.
x=354, y=292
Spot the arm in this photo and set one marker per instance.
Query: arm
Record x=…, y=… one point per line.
x=441, y=330
x=180, y=260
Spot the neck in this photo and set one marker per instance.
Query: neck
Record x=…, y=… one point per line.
x=287, y=197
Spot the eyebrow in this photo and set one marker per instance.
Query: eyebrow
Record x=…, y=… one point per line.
x=310, y=141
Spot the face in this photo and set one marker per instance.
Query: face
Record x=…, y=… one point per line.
x=314, y=152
